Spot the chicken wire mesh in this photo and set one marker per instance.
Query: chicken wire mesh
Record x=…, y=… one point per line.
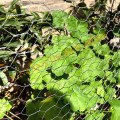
x=60, y=60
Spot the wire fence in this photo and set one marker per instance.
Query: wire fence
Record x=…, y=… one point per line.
x=60, y=60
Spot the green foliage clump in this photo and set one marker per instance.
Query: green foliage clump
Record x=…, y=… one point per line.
x=77, y=69
x=76, y=77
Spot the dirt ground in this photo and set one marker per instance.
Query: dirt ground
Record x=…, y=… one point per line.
x=49, y=5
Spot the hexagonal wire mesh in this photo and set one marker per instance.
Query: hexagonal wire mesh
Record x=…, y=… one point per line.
x=59, y=60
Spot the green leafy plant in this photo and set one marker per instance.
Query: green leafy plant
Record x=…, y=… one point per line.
x=5, y=106
x=77, y=68
x=76, y=77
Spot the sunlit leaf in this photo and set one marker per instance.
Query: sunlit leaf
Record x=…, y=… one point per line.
x=115, y=108
x=5, y=106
